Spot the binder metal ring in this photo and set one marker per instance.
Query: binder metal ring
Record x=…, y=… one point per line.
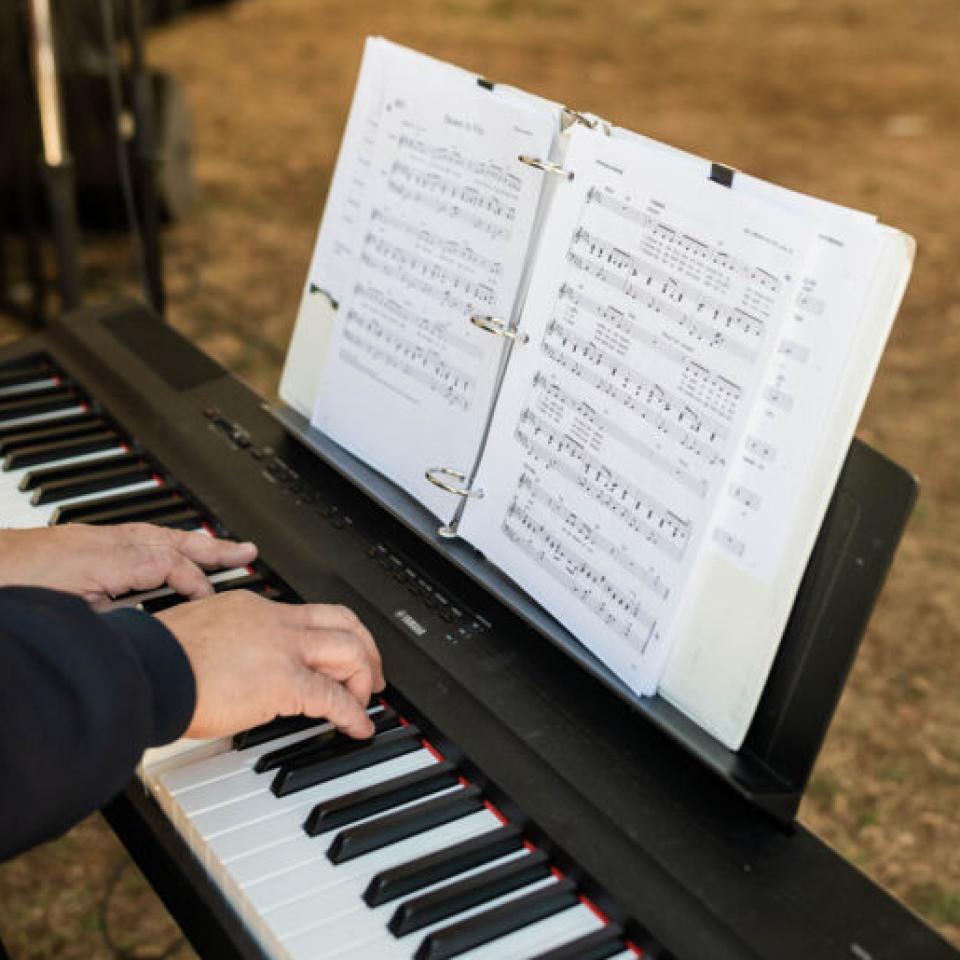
x=546, y=166
x=499, y=328
x=442, y=476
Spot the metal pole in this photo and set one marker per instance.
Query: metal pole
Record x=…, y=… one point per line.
x=145, y=160
x=56, y=163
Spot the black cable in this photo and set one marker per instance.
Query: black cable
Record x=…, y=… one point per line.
x=103, y=915
x=123, y=159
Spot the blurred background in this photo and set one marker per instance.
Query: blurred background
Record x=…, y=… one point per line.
x=856, y=101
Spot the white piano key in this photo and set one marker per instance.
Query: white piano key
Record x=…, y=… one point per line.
x=347, y=898
x=576, y=921
x=286, y=822
x=29, y=387
x=344, y=938
x=318, y=873
x=40, y=419
x=252, y=810
x=28, y=515
x=197, y=774
x=10, y=479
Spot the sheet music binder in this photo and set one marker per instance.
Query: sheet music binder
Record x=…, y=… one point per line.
x=774, y=784
x=855, y=547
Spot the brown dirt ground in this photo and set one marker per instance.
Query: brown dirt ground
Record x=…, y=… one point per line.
x=857, y=101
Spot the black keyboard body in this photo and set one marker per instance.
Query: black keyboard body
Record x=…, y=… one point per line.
x=659, y=841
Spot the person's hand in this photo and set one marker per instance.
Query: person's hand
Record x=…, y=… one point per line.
x=255, y=659
x=99, y=563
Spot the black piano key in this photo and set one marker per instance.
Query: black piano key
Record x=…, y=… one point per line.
x=164, y=602
x=251, y=581
x=187, y=519
x=27, y=434
x=279, y=727
x=46, y=400
x=375, y=834
x=27, y=373
x=361, y=804
x=323, y=745
x=97, y=482
x=356, y=755
x=69, y=471
x=518, y=913
x=60, y=449
x=593, y=946
x=416, y=874
x=430, y=908
x=164, y=512
x=78, y=512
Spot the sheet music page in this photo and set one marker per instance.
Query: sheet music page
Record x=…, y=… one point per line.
x=654, y=307
x=445, y=223
x=784, y=475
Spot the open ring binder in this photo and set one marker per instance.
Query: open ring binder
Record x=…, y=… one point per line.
x=498, y=327
x=438, y=476
x=569, y=117
x=546, y=166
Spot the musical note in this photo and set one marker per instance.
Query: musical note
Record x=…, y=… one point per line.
x=642, y=513
x=684, y=247
x=695, y=326
x=622, y=613
x=604, y=426
x=414, y=361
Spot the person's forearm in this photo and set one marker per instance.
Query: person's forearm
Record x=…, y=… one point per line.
x=81, y=696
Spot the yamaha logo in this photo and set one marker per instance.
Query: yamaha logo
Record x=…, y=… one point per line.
x=413, y=625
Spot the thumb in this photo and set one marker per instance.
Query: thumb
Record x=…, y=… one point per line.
x=324, y=697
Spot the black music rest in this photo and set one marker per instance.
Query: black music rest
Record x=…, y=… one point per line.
x=629, y=802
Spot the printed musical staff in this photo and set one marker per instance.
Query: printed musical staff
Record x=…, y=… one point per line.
x=424, y=274
x=592, y=537
x=623, y=614
x=637, y=509
x=606, y=427
x=684, y=247
x=457, y=250
x=413, y=360
x=654, y=299
x=620, y=380
x=710, y=390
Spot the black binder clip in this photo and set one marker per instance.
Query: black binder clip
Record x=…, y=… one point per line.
x=485, y=83
x=722, y=174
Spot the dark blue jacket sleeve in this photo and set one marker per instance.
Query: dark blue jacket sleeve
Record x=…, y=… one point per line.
x=81, y=696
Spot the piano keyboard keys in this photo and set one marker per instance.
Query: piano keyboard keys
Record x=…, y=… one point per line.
x=70, y=468
x=266, y=732
x=498, y=921
x=390, y=829
x=329, y=847
x=321, y=744
x=441, y=865
x=52, y=399
x=41, y=453
x=383, y=796
x=325, y=871
x=80, y=425
x=307, y=771
x=599, y=945
x=101, y=479
x=429, y=908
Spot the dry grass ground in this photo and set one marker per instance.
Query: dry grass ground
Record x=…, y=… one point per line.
x=854, y=100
